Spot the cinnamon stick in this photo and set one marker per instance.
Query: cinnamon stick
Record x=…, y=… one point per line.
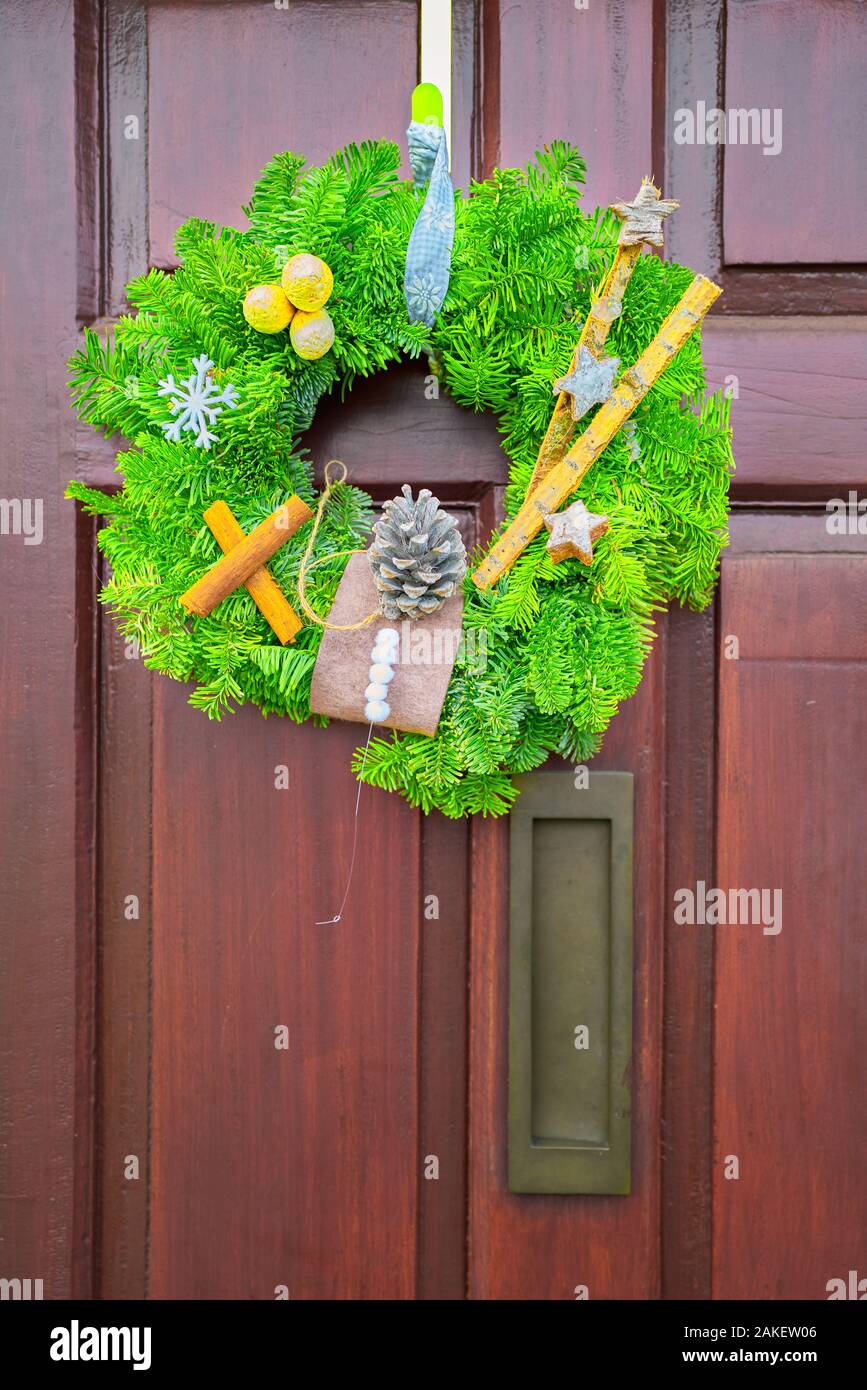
x=262, y=588
x=245, y=558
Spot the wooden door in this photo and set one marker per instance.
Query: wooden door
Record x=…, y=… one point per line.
x=166, y=890
x=323, y=1137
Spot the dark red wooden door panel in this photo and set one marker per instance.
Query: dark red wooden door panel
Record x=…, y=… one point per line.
x=45, y=826
x=802, y=69
x=791, y=1040
x=230, y=85
x=799, y=68
x=583, y=75
x=793, y=382
x=298, y=1164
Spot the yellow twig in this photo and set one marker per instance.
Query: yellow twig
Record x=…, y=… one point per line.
x=633, y=385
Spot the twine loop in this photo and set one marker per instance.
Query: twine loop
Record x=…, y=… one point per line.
x=305, y=567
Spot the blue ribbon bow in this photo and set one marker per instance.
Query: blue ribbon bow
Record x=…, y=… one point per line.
x=429, y=253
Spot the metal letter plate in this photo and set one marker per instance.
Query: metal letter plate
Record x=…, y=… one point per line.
x=570, y=982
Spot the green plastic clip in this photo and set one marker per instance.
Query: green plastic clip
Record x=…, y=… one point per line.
x=427, y=104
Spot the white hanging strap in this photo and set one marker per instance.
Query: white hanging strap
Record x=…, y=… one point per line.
x=435, y=54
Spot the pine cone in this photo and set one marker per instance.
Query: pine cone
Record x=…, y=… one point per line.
x=417, y=556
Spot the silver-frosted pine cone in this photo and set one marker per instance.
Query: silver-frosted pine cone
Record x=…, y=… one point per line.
x=417, y=555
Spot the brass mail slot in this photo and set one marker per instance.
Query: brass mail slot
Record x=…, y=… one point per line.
x=570, y=984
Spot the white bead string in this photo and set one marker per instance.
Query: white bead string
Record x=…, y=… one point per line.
x=381, y=674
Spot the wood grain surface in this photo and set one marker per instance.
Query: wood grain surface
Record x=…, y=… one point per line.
x=46, y=752
x=746, y=55
x=582, y=75
x=300, y=1166
x=527, y=1246
x=809, y=64
x=230, y=85
x=125, y=919
x=687, y=1037
x=799, y=402
x=153, y=1036
x=790, y=1037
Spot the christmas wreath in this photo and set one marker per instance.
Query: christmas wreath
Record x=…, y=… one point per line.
x=563, y=641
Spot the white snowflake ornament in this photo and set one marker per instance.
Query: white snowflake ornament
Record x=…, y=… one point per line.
x=195, y=404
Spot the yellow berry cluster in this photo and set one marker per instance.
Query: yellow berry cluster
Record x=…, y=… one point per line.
x=297, y=304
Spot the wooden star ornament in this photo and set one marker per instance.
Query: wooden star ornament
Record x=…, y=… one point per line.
x=590, y=382
x=642, y=218
x=573, y=533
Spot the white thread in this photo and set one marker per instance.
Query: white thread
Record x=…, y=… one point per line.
x=331, y=921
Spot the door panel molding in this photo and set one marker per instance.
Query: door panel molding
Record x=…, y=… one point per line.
x=687, y=1032
x=696, y=53
x=798, y=416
